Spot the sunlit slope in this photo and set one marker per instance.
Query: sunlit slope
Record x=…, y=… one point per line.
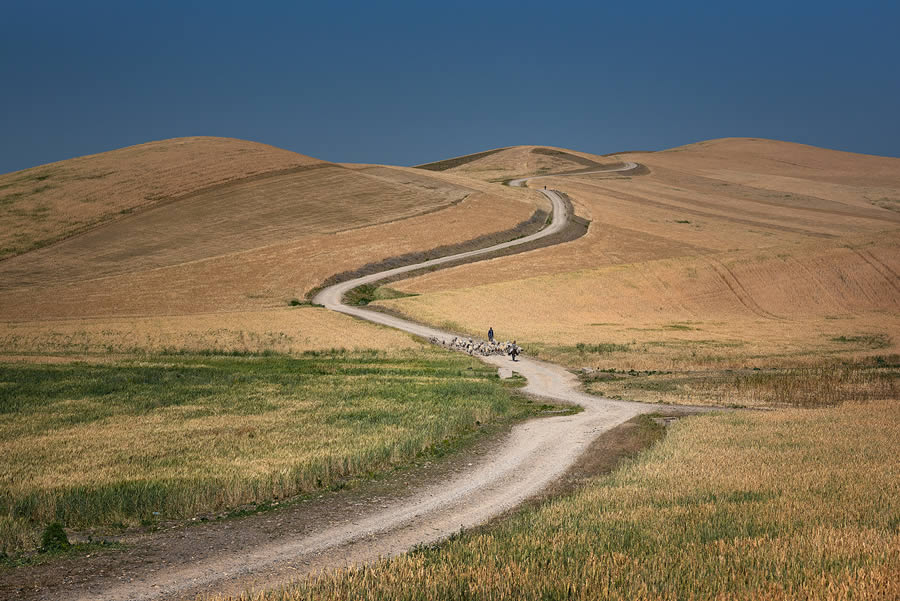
x=254, y=242
x=762, y=241
x=47, y=202
x=234, y=218
x=516, y=161
x=708, y=198
x=778, y=285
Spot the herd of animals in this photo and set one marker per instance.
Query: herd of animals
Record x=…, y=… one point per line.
x=481, y=347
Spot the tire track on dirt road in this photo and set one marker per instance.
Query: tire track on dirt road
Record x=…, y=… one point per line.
x=528, y=459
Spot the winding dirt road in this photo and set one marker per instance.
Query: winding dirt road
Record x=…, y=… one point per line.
x=527, y=460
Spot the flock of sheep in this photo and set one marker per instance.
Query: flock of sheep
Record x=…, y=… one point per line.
x=480, y=347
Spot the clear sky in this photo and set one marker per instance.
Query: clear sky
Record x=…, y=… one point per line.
x=410, y=82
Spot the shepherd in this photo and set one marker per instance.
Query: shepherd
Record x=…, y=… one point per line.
x=514, y=350
x=491, y=334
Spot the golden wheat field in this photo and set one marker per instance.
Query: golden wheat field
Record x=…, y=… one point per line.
x=288, y=330
x=792, y=504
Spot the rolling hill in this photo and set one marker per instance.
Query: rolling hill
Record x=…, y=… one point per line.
x=50, y=202
x=243, y=235
x=143, y=246
x=758, y=243
x=765, y=244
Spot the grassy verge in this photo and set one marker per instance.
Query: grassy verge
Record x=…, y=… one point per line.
x=795, y=504
x=367, y=293
x=20, y=560
x=175, y=436
x=725, y=373
x=809, y=387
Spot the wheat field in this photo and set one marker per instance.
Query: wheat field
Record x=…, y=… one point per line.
x=793, y=504
x=104, y=445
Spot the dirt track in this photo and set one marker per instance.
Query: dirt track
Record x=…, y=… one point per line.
x=220, y=558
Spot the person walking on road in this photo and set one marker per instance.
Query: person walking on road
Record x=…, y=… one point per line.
x=490, y=334
x=514, y=350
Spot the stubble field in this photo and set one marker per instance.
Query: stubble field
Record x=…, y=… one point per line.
x=50, y=202
x=214, y=241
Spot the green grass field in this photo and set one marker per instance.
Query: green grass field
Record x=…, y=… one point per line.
x=793, y=504
x=174, y=436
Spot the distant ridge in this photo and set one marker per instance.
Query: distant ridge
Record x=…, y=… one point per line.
x=568, y=156
x=457, y=161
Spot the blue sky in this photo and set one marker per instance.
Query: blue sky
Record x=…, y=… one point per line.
x=410, y=82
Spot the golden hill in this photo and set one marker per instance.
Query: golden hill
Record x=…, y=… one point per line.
x=214, y=226
x=765, y=244
x=49, y=202
x=753, y=241
x=708, y=198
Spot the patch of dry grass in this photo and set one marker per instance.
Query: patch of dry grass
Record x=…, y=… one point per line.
x=818, y=386
x=797, y=504
x=779, y=285
x=803, y=307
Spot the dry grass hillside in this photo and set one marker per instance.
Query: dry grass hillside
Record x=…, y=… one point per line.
x=222, y=235
x=726, y=250
x=49, y=202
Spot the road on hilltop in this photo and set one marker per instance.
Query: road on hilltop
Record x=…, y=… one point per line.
x=265, y=550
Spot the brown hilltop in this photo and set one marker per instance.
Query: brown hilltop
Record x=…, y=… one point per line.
x=49, y=202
